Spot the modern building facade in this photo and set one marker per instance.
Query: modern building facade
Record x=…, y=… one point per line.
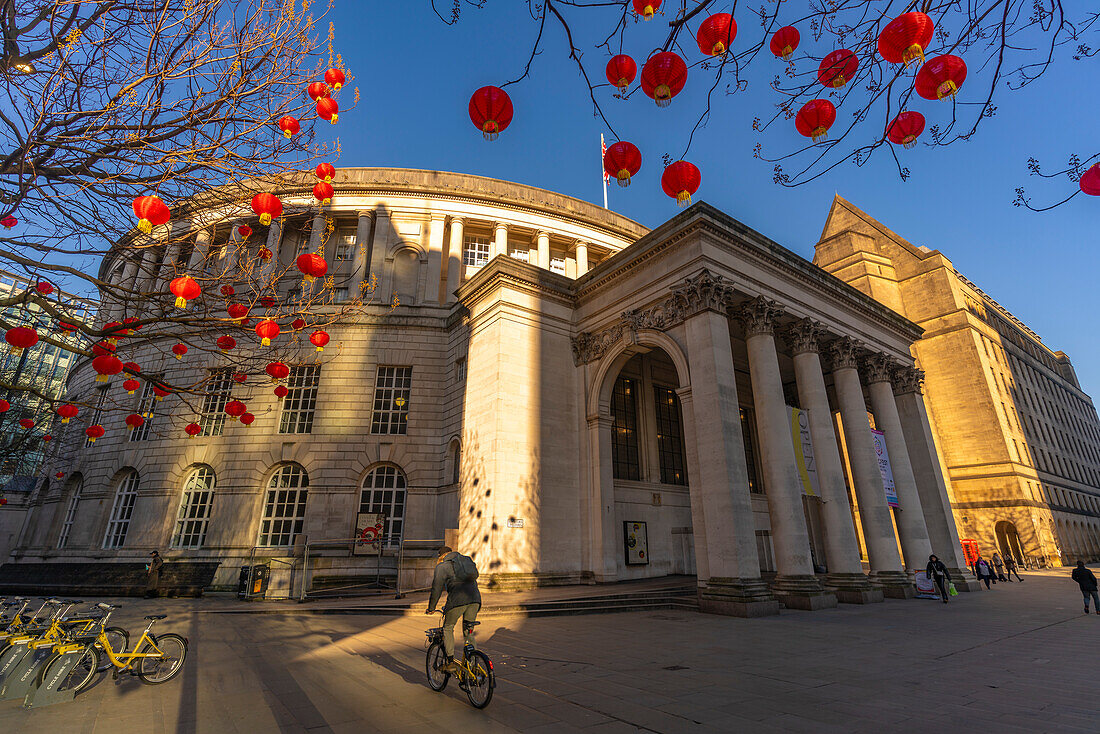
x=559, y=392
x=1019, y=439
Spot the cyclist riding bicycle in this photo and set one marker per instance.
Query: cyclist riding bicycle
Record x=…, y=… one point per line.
x=458, y=575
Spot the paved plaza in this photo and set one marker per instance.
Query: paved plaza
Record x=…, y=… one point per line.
x=1018, y=658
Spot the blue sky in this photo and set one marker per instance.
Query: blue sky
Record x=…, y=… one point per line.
x=416, y=75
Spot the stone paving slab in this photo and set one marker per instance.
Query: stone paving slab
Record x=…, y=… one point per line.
x=1017, y=658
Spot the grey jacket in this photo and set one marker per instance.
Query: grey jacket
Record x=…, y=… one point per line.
x=459, y=593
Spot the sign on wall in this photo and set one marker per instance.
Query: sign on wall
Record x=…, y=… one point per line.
x=803, y=450
x=883, y=456
x=636, y=541
x=368, y=533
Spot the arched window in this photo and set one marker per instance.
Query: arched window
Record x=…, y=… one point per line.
x=123, y=509
x=284, y=506
x=70, y=513
x=194, y=512
x=384, y=492
x=456, y=460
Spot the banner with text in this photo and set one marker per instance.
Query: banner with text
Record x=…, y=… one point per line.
x=883, y=456
x=803, y=450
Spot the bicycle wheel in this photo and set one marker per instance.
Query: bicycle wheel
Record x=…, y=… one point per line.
x=78, y=677
x=163, y=668
x=480, y=680
x=437, y=679
x=119, y=640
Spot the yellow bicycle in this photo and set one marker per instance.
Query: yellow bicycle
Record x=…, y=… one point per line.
x=475, y=672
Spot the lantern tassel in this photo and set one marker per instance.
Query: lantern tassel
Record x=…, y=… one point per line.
x=947, y=89
x=265, y=341
x=913, y=53
x=181, y=302
x=145, y=226
x=286, y=134
x=265, y=219
x=788, y=52
x=64, y=420
x=623, y=178
x=179, y=356
x=320, y=349
x=333, y=120
x=102, y=378
x=683, y=198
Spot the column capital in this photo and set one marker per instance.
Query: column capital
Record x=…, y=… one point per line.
x=369, y=213
x=437, y=216
x=844, y=353
x=703, y=292
x=458, y=219
x=908, y=380
x=804, y=336
x=758, y=316
x=500, y=225
x=879, y=368
x=541, y=233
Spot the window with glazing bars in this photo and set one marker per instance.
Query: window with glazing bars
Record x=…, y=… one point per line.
x=670, y=436
x=764, y=550
x=301, y=399
x=194, y=512
x=475, y=252
x=146, y=407
x=123, y=509
x=345, y=245
x=384, y=492
x=97, y=415
x=557, y=265
x=391, y=400
x=624, y=430
x=748, y=434
x=284, y=507
x=70, y=515
x=218, y=388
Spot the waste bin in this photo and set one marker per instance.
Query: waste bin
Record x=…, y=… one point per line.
x=253, y=581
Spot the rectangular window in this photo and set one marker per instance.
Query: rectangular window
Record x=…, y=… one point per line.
x=300, y=400
x=748, y=433
x=475, y=252
x=345, y=245
x=391, y=400
x=524, y=255
x=123, y=509
x=218, y=388
x=764, y=551
x=340, y=294
x=146, y=407
x=97, y=415
x=460, y=370
x=557, y=265
x=70, y=515
x=670, y=436
x=624, y=430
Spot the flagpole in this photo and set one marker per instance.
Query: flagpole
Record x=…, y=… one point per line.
x=603, y=174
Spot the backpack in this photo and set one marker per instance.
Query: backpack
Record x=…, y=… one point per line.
x=465, y=569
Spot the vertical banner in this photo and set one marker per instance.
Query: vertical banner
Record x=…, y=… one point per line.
x=636, y=541
x=879, y=439
x=368, y=533
x=803, y=450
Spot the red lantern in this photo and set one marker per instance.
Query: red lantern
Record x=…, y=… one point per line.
x=646, y=8
x=128, y=321
x=5, y=406
x=325, y=171
x=264, y=253
x=784, y=42
x=67, y=411
x=192, y=429
x=622, y=160
x=941, y=77
x=134, y=421
x=716, y=33
x=267, y=330
x=298, y=324
x=244, y=231
x=815, y=118
x=66, y=326
x=334, y=78
x=267, y=207
x=225, y=343
x=906, y=128
x=247, y=419
x=904, y=39
x=322, y=192
x=240, y=377
x=106, y=365
x=160, y=393
x=319, y=339
x=267, y=302
x=663, y=77
x=621, y=71
x=228, y=291
x=491, y=111
x=1090, y=180
x=680, y=180
x=289, y=126
x=47, y=437
x=838, y=68
x=235, y=409
x=94, y=432
x=20, y=338
x=131, y=386
x=179, y=350
x=184, y=289
x=312, y=266
x=60, y=475
x=328, y=109
x=281, y=391
x=101, y=348
x=26, y=423
x=277, y=370
x=151, y=212
x=317, y=90
x=112, y=331
x=43, y=288
x=9, y=221
x=132, y=368
x=238, y=312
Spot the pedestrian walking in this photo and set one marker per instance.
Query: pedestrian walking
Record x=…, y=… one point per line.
x=999, y=566
x=1011, y=567
x=983, y=571
x=153, y=571
x=937, y=572
x=1087, y=582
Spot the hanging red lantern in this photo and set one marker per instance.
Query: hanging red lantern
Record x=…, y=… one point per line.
x=621, y=71
x=904, y=39
x=680, y=180
x=179, y=350
x=240, y=377
x=131, y=368
x=106, y=365
x=185, y=289
x=334, y=78
x=491, y=111
x=941, y=77
x=281, y=391
x=267, y=302
x=235, y=409
x=112, y=331
x=277, y=370
x=26, y=424
x=47, y=438
x=317, y=90
x=328, y=109
x=319, y=339
x=244, y=231
x=646, y=8
x=247, y=419
x=135, y=421
x=94, y=432
x=67, y=412
x=264, y=253
x=228, y=291
x=151, y=212
x=60, y=475
x=225, y=343
x=192, y=429
x=837, y=68
x=322, y=192
x=9, y=221
x=5, y=406
x=128, y=321
x=815, y=118
x=267, y=207
x=716, y=33
x=325, y=171
x=267, y=330
x=906, y=128
x=298, y=324
x=784, y=42
x=43, y=288
x=160, y=393
x=66, y=326
x=663, y=77
x=312, y=266
x=1090, y=180
x=101, y=348
x=131, y=386
x=622, y=160
x=20, y=338
x=238, y=312
x=289, y=126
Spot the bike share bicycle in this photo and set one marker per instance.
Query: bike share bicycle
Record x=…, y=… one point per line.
x=475, y=672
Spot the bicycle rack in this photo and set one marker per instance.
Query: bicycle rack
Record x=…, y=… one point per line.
x=24, y=675
x=47, y=693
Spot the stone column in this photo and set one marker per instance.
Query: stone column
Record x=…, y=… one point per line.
x=454, y=260
x=874, y=513
x=543, y=241
x=846, y=577
x=198, y=255
x=381, y=242
x=938, y=516
x=909, y=516
x=435, y=257
x=795, y=583
x=361, y=256
x=582, y=258
x=168, y=264
x=601, y=503
x=691, y=459
x=270, y=267
x=499, y=245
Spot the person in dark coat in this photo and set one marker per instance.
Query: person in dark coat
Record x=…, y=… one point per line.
x=153, y=569
x=1087, y=582
x=457, y=574
x=937, y=572
x=983, y=571
x=999, y=567
x=1011, y=567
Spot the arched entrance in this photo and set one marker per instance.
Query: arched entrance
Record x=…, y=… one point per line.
x=1008, y=540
